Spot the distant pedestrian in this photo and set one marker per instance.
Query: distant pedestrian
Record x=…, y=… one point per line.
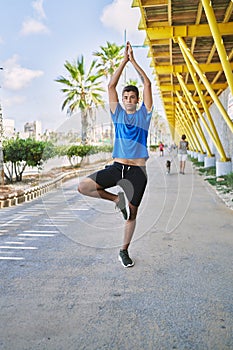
x=182, y=153
x=161, y=148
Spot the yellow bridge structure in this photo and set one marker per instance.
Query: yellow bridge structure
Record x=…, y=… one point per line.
x=191, y=48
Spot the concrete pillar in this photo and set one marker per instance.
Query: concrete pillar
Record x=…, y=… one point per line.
x=201, y=157
x=223, y=168
x=209, y=161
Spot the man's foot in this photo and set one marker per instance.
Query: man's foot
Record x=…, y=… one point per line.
x=121, y=205
x=124, y=258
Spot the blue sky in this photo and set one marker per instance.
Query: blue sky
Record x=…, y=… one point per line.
x=38, y=36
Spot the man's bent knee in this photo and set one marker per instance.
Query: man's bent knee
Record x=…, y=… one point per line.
x=86, y=186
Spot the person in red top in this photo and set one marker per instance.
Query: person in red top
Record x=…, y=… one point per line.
x=161, y=148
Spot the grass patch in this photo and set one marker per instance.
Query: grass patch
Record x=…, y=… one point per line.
x=229, y=180
x=195, y=162
x=212, y=181
x=223, y=184
x=210, y=171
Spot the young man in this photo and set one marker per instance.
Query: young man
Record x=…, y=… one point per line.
x=129, y=154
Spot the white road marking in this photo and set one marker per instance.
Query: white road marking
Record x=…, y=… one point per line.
x=10, y=258
x=36, y=231
x=34, y=235
x=10, y=247
x=51, y=225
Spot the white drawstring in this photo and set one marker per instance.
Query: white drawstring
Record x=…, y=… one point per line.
x=123, y=169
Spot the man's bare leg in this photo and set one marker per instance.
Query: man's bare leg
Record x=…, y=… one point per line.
x=89, y=187
x=129, y=227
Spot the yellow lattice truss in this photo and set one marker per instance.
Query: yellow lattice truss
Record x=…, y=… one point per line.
x=191, y=48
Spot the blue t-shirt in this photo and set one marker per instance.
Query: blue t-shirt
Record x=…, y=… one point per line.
x=131, y=131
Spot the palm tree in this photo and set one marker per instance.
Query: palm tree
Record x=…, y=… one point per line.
x=110, y=57
x=83, y=91
x=132, y=82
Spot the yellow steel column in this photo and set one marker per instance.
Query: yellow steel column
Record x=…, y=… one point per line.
x=186, y=126
x=184, y=130
x=218, y=42
x=205, y=82
x=190, y=123
x=213, y=134
x=196, y=121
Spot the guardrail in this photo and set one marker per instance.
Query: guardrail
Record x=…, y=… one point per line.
x=26, y=195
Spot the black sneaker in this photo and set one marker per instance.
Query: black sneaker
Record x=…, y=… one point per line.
x=121, y=205
x=124, y=258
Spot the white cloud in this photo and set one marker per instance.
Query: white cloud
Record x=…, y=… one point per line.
x=33, y=26
x=38, y=7
x=121, y=16
x=16, y=77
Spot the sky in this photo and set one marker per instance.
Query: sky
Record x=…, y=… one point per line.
x=38, y=36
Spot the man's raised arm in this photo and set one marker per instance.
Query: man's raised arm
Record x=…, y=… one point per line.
x=112, y=93
x=147, y=94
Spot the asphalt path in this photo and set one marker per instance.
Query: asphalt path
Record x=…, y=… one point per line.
x=63, y=288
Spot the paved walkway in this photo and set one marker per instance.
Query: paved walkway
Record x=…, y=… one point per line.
x=74, y=294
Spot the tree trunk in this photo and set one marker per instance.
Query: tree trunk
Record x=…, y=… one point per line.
x=84, y=121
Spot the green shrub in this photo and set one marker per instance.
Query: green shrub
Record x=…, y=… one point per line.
x=211, y=171
x=229, y=180
x=153, y=147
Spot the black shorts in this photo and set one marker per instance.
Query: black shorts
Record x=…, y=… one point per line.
x=131, y=178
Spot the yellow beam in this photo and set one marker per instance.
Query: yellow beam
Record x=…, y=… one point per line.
x=190, y=123
x=191, y=87
x=212, y=132
x=187, y=130
x=158, y=42
x=135, y=3
x=182, y=68
x=196, y=123
x=215, y=30
x=195, y=98
x=160, y=54
x=204, y=80
x=194, y=30
x=154, y=3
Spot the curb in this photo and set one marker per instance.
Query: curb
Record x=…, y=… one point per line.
x=225, y=199
x=21, y=196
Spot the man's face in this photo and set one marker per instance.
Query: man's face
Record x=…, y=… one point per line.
x=130, y=101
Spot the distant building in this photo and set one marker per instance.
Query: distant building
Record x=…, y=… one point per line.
x=8, y=128
x=33, y=130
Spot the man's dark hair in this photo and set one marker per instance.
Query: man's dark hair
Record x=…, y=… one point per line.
x=133, y=88
x=183, y=137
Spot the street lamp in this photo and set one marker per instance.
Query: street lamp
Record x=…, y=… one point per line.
x=1, y=150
